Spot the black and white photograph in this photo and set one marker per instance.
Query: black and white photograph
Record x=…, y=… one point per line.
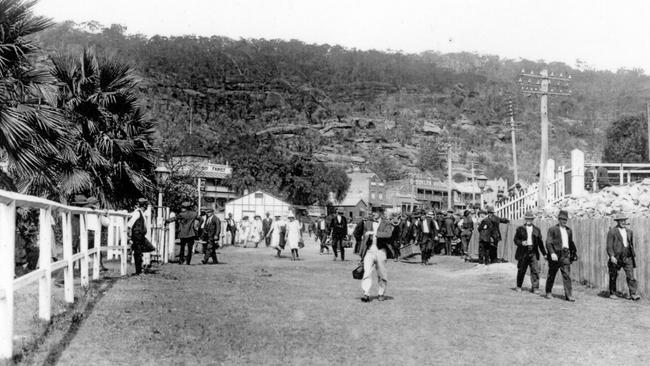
x=309, y=182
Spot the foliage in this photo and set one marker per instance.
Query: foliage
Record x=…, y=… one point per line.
x=431, y=158
x=386, y=167
x=32, y=130
x=112, y=137
x=627, y=140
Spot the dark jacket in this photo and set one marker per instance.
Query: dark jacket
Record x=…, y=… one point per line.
x=433, y=232
x=521, y=236
x=339, y=229
x=384, y=234
x=615, y=246
x=405, y=231
x=266, y=225
x=212, y=228
x=186, y=223
x=449, y=227
x=489, y=228
x=554, y=242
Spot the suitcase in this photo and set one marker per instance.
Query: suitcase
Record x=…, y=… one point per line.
x=410, y=250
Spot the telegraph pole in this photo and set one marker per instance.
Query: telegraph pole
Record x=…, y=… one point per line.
x=545, y=85
x=473, y=183
x=511, y=112
x=647, y=115
x=449, y=207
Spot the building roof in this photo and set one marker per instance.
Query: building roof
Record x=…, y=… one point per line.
x=351, y=202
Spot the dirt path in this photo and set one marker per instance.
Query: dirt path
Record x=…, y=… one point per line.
x=257, y=309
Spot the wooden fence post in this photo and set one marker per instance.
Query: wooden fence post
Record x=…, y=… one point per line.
x=68, y=271
x=98, y=248
x=171, y=251
x=45, y=263
x=124, y=244
x=83, y=247
x=111, y=238
x=7, y=268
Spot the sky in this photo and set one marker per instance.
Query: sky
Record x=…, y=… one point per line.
x=604, y=34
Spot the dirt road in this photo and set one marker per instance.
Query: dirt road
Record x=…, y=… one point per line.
x=257, y=309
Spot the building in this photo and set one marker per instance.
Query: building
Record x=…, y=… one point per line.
x=399, y=194
x=352, y=207
x=426, y=191
x=366, y=187
x=257, y=203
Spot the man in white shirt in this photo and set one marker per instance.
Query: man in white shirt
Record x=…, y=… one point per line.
x=374, y=258
x=561, y=253
x=137, y=230
x=528, y=240
x=620, y=250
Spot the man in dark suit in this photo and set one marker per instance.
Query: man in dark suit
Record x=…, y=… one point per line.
x=231, y=227
x=561, y=252
x=449, y=230
x=375, y=256
x=490, y=236
x=620, y=249
x=528, y=240
x=428, y=236
x=321, y=233
x=266, y=227
x=211, y=232
x=359, y=231
x=338, y=231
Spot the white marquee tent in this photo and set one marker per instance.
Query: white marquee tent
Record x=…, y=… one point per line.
x=257, y=203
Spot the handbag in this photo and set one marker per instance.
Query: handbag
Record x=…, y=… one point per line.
x=358, y=272
x=147, y=247
x=301, y=244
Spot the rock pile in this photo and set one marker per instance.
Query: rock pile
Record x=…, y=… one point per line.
x=632, y=200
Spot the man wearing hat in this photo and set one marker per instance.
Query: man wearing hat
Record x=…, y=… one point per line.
x=428, y=234
x=528, y=240
x=489, y=236
x=211, y=232
x=187, y=221
x=374, y=257
x=620, y=250
x=137, y=231
x=231, y=227
x=561, y=252
x=266, y=227
x=338, y=231
x=359, y=230
x=321, y=232
x=449, y=230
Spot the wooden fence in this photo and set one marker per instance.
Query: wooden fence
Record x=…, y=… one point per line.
x=117, y=244
x=590, y=236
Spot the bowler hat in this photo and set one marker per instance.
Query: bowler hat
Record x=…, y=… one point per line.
x=529, y=215
x=563, y=215
x=620, y=216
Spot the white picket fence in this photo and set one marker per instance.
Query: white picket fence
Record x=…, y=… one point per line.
x=515, y=207
x=162, y=237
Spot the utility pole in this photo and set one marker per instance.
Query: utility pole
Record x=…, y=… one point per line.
x=511, y=113
x=647, y=115
x=449, y=206
x=545, y=85
x=473, y=183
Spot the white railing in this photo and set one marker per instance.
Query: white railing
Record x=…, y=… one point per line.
x=117, y=244
x=515, y=207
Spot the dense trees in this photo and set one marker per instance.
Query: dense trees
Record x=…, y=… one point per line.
x=627, y=140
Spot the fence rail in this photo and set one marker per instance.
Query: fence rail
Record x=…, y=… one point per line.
x=590, y=236
x=117, y=243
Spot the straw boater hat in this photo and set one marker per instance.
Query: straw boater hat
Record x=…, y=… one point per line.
x=529, y=215
x=620, y=216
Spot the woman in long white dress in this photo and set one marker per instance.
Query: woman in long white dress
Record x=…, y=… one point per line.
x=256, y=230
x=293, y=236
x=274, y=234
x=245, y=230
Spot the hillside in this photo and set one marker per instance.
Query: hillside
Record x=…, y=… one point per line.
x=388, y=111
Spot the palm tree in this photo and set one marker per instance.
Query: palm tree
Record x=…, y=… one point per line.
x=32, y=130
x=113, y=140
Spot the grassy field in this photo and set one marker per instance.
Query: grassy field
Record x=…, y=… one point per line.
x=257, y=309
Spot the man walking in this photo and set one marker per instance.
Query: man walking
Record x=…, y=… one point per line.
x=374, y=258
x=338, y=231
x=528, y=240
x=449, y=230
x=466, y=226
x=266, y=227
x=187, y=222
x=620, y=249
x=561, y=253
x=321, y=231
x=429, y=235
x=231, y=227
x=211, y=232
x=137, y=230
